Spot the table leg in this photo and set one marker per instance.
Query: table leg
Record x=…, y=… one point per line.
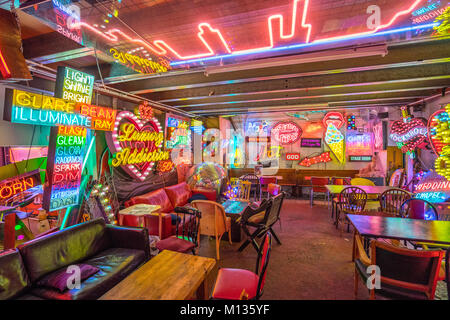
x=202, y=291
x=447, y=270
x=9, y=232
x=160, y=225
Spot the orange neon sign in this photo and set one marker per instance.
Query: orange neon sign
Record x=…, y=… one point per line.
x=4, y=67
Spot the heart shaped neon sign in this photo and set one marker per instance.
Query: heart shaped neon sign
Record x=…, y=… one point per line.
x=136, y=144
x=439, y=136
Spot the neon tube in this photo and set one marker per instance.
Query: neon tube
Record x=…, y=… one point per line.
x=4, y=67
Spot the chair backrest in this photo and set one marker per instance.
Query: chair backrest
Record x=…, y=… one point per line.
x=188, y=222
x=213, y=221
x=418, y=209
x=341, y=181
x=273, y=189
x=254, y=179
x=361, y=182
x=275, y=210
x=392, y=200
x=262, y=262
x=318, y=184
x=352, y=200
x=265, y=206
x=416, y=270
x=396, y=179
x=265, y=180
x=243, y=190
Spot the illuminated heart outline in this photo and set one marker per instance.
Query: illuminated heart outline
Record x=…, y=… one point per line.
x=417, y=141
x=131, y=117
x=432, y=142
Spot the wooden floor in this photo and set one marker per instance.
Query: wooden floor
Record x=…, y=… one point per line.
x=313, y=262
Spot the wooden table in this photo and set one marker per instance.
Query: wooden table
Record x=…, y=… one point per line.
x=404, y=229
x=140, y=210
x=234, y=209
x=336, y=189
x=168, y=276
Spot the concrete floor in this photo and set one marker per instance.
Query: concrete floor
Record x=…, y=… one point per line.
x=313, y=262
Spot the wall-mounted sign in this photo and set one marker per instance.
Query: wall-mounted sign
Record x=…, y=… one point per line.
x=439, y=137
x=359, y=143
x=178, y=134
x=12, y=186
x=258, y=139
x=34, y=108
x=257, y=128
x=433, y=187
x=64, y=164
x=335, y=118
x=409, y=133
x=139, y=64
x=311, y=143
x=74, y=85
x=313, y=129
x=333, y=137
x=136, y=144
x=292, y=156
x=360, y=158
x=378, y=136
x=309, y=161
x=286, y=132
x=351, y=122
x=429, y=11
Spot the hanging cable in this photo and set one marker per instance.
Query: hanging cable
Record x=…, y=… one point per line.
x=98, y=67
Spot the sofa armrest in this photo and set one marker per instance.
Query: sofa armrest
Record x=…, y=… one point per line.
x=130, y=238
x=208, y=193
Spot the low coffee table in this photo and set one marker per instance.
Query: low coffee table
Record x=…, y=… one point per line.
x=140, y=210
x=234, y=209
x=168, y=276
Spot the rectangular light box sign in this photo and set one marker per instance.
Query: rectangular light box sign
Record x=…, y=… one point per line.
x=74, y=85
x=37, y=109
x=360, y=158
x=311, y=143
x=67, y=148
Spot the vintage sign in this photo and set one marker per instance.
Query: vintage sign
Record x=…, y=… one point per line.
x=286, y=132
x=18, y=184
x=439, y=137
x=309, y=161
x=360, y=158
x=433, y=187
x=359, y=143
x=38, y=109
x=136, y=144
x=139, y=64
x=292, y=156
x=178, y=134
x=74, y=85
x=311, y=143
x=409, y=133
x=64, y=164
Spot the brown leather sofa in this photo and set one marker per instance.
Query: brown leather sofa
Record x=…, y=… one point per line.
x=116, y=251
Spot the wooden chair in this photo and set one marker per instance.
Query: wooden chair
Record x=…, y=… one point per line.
x=318, y=186
x=273, y=189
x=254, y=180
x=239, y=284
x=352, y=201
x=243, y=190
x=341, y=181
x=186, y=234
x=361, y=182
x=392, y=200
x=214, y=221
x=405, y=273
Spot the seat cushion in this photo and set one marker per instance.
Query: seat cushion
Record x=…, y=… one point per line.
x=13, y=275
x=62, y=248
x=157, y=197
x=114, y=264
x=179, y=194
x=58, y=280
x=175, y=244
x=231, y=282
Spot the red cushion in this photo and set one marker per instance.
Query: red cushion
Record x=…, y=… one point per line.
x=129, y=220
x=208, y=193
x=157, y=197
x=231, y=282
x=175, y=244
x=178, y=194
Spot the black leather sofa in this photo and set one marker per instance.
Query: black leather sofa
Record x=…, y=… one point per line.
x=116, y=251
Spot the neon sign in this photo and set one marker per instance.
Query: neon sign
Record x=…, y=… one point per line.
x=74, y=85
x=360, y=158
x=431, y=11
x=286, y=132
x=216, y=47
x=311, y=143
x=351, y=123
x=359, y=143
x=443, y=23
x=409, y=133
x=333, y=137
x=12, y=186
x=257, y=128
x=138, y=64
x=439, y=137
x=378, y=136
x=136, y=144
x=4, y=67
x=38, y=109
x=323, y=158
x=292, y=156
x=67, y=148
x=433, y=188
